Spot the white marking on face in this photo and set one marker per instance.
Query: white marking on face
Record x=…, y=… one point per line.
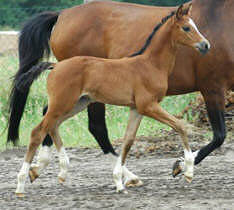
x=191, y=22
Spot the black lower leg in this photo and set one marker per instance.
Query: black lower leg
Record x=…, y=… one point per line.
x=97, y=126
x=217, y=121
x=47, y=141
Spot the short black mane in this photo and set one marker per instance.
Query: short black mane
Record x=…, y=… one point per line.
x=148, y=41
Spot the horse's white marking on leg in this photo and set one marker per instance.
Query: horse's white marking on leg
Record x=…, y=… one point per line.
x=64, y=163
x=22, y=175
x=195, y=153
x=43, y=159
x=189, y=163
x=112, y=159
x=195, y=27
x=117, y=175
x=129, y=176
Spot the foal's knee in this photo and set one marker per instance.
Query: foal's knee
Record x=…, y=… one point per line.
x=181, y=128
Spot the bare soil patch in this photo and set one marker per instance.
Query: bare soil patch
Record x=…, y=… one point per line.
x=90, y=185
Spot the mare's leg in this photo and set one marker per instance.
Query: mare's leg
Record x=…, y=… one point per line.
x=44, y=156
x=215, y=105
x=97, y=126
x=120, y=169
x=154, y=110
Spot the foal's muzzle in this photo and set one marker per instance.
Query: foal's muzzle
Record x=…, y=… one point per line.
x=203, y=47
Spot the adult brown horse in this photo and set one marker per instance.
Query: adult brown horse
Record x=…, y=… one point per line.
x=114, y=30
x=143, y=79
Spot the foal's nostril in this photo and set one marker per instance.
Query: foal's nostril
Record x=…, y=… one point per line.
x=206, y=46
x=203, y=47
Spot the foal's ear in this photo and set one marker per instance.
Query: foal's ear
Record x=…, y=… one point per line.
x=179, y=12
x=188, y=9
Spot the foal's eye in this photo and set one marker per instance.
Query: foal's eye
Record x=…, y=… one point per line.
x=186, y=28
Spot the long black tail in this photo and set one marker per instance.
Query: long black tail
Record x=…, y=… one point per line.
x=33, y=46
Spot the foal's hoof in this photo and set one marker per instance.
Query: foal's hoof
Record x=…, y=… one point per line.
x=122, y=191
x=188, y=179
x=61, y=180
x=20, y=195
x=33, y=174
x=177, y=168
x=133, y=183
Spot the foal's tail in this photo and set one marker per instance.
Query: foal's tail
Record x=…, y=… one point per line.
x=33, y=45
x=25, y=80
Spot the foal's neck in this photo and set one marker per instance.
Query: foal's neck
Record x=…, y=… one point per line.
x=162, y=50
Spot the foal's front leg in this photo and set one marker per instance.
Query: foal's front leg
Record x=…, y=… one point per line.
x=120, y=169
x=154, y=110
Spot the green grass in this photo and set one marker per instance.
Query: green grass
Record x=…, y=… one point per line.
x=74, y=131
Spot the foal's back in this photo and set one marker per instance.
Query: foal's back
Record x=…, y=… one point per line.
x=114, y=81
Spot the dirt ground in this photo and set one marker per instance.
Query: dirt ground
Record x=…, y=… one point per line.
x=90, y=185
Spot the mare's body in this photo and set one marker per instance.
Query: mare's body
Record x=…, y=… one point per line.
x=118, y=31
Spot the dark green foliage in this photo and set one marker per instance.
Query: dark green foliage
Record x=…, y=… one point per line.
x=14, y=12
x=157, y=2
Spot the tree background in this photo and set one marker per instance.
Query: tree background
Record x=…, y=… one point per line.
x=14, y=12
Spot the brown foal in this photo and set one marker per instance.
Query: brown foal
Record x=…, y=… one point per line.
x=139, y=82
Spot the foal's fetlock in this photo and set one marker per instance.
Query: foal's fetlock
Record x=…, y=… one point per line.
x=21, y=178
x=64, y=164
x=117, y=176
x=189, y=168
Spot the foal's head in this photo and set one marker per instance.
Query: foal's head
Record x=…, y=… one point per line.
x=185, y=31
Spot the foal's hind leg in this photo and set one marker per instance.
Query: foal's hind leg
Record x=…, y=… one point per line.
x=63, y=158
x=120, y=169
x=37, y=136
x=44, y=156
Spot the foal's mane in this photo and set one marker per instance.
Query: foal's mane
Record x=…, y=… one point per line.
x=156, y=28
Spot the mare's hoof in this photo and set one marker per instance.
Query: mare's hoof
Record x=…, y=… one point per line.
x=33, y=174
x=133, y=183
x=177, y=168
x=20, y=195
x=61, y=180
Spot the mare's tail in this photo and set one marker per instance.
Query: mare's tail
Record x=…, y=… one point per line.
x=33, y=45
